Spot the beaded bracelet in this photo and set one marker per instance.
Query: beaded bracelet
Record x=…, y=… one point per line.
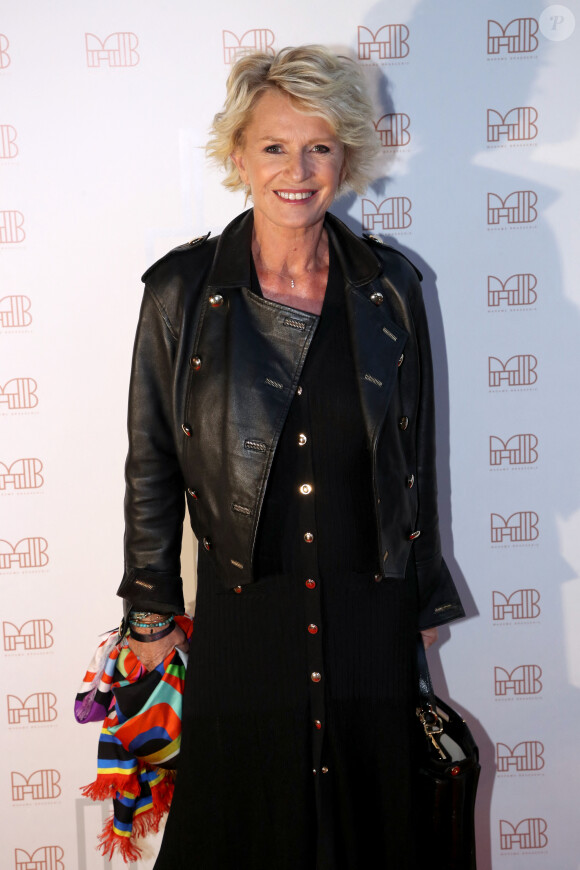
x=152, y=625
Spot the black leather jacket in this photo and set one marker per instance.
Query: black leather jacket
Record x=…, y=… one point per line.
x=215, y=368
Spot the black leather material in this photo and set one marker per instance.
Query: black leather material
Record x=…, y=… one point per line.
x=210, y=390
x=448, y=774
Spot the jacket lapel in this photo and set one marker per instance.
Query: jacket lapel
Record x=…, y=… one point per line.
x=377, y=341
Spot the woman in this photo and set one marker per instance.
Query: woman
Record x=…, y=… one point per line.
x=282, y=378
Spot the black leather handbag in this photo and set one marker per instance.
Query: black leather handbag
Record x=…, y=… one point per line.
x=448, y=775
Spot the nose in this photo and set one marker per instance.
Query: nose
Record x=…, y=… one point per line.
x=298, y=168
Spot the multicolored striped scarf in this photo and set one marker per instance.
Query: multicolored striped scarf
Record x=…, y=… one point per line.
x=140, y=737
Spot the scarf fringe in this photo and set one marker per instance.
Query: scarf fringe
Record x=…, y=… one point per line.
x=144, y=823
x=110, y=842
x=107, y=787
x=162, y=793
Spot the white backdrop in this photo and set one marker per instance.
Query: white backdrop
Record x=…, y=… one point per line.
x=104, y=112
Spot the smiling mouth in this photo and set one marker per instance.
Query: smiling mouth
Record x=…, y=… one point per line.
x=297, y=195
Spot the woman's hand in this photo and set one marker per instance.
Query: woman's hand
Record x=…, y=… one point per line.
x=429, y=636
x=151, y=654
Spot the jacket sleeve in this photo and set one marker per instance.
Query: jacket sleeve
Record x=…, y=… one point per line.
x=154, y=496
x=438, y=598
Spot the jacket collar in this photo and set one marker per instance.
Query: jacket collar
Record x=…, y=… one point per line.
x=231, y=265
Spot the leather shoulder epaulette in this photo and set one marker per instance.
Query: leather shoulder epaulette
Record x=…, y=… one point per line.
x=180, y=249
x=376, y=241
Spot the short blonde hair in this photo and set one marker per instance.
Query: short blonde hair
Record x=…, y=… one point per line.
x=319, y=83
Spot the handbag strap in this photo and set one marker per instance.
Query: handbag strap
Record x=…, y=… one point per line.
x=426, y=693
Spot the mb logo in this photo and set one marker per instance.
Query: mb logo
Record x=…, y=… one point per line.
x=11, y=227
x=115, y=50
x=517, y=208
x=517, y=450
x=27, y=553
x=45, y=858
x=39, y=786
x=393, y=213
x=8, y=146
x=517, y=37
x=524, y=757
x=527, y=834
x=19, y=393
x=519, y=289
x=520, y=526
x=22, y=474
x=4, y=56
x=523, y=680
x=14, y=310
x=517, y=125
x=35, y=709
x=521, y=604
x=393, y=130
x=259, y=39
x=388, y=43
x=32, y=635
x=517, y=371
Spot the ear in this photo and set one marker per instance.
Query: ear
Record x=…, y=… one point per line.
x=237, y=157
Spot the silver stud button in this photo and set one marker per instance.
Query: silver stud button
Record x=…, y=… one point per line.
x=308, y=537
x=315, y=677
x=377, y=298
x=305, y=489
x=411, y=481
x=414, y=535
x=196, y=363
x=186, y=430
x=302, y=439
x=403, y=423
x=400, y=360
x=216, y=300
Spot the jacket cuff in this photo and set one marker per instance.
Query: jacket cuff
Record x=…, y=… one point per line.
x=158, y=591
x=439, y=601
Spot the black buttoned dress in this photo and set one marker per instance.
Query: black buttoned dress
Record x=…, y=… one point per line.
x=298, y=716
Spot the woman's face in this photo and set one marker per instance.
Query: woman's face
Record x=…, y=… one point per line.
x=292, y=162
